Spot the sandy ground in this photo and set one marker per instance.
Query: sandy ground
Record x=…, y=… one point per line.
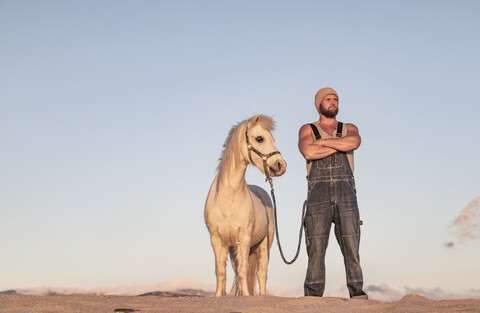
x=256, y=304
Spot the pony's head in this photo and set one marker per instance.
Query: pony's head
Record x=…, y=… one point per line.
x=260, y=144
x=257, y=129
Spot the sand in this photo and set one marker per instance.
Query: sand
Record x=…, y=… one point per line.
x=257, y=304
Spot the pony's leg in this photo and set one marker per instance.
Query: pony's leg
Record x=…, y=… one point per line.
x=262, y=259
x=220, y=265
x=263, y=254
x=252, y=271
x=242, y=257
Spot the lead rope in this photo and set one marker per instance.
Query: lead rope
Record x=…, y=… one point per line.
x=269, y=179
x=264, y=158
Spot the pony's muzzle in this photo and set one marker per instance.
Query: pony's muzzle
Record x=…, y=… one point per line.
x=278, y=168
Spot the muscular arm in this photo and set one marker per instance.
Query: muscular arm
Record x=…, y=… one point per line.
x=312, y=149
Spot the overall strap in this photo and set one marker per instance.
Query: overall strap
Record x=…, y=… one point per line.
x=317, y=134
x=339, y=129
x=317, y=137
x=315, y=131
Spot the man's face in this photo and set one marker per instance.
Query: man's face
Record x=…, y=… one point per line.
x=329, y=106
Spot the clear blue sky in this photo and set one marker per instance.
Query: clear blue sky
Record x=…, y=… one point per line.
x=113, y=115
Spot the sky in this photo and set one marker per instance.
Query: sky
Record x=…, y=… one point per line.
x=113, y=115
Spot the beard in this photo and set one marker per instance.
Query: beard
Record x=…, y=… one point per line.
x=328, y=113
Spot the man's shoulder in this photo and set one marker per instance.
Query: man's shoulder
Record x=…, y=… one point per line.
x=351, y=126
x=307, y=124
x=306, y=127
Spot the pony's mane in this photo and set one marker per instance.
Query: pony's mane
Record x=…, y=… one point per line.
x=232, y=148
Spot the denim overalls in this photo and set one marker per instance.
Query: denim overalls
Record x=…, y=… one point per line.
x=332, y=198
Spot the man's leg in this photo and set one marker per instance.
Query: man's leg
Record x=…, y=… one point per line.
x=347, y=232
x=317, y=230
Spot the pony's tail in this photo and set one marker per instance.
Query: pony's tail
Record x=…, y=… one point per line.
x=235, y=291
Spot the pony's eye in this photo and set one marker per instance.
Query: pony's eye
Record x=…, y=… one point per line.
x=259, y=139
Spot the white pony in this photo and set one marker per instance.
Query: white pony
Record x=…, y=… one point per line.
x=240, y=217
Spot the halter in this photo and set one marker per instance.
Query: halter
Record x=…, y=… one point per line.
x=263, y=156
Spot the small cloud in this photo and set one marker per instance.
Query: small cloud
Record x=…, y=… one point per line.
x=440, y=294
x=449, y=245
x=384, y=293
x=467, y=224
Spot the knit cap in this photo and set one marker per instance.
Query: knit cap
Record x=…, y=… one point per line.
x=322, y=93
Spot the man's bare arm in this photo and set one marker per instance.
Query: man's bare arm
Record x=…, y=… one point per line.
x=345, y=144
x=312, y=149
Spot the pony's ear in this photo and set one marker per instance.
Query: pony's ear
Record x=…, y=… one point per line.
x=254, y=120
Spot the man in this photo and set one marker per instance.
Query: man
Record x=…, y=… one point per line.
x=328, y=147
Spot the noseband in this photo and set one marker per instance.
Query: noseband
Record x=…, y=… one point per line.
x=263, y=156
